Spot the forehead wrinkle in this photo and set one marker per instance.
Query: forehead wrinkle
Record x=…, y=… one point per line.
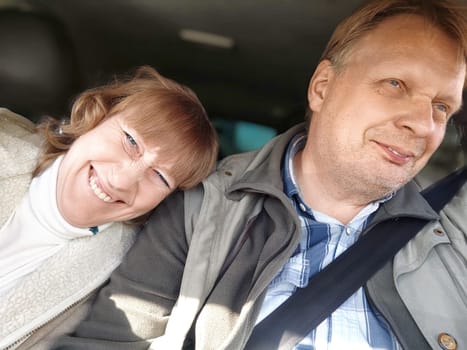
x=401, y=50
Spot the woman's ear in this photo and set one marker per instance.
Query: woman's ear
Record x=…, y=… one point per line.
x=319, y=83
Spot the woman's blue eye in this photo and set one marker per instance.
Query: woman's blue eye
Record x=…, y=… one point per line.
x=158, y=174
x=131, y=140
x=394, y=83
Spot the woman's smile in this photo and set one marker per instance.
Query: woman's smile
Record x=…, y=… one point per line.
x=98, y=191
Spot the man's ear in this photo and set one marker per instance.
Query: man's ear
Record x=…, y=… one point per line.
x=319, y=83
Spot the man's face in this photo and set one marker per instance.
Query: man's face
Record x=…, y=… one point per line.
x=378, y=120
x=111, y=174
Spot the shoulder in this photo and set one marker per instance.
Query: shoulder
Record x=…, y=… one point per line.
x=453, y=217
x=19, y=149
x=15, y=124
x=19, y=143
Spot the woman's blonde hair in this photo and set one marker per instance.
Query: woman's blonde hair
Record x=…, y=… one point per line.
x=162, y=111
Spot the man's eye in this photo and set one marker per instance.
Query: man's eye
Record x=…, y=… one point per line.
x=441, y=112
x=441, y=107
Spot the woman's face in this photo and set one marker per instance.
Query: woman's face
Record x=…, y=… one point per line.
x=111, y=174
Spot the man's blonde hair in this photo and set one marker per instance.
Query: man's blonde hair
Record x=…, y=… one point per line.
x=448, y=16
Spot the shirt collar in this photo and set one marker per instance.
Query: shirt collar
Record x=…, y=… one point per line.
x=43, y=199
x=291, y=189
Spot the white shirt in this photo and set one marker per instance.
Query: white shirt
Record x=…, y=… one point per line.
x=35, y=231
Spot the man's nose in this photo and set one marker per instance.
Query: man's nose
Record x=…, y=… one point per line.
x=418, y=117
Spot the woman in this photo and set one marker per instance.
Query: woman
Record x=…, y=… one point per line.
x=126, y=147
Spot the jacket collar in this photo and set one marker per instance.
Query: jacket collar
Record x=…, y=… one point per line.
x=407, y=202
x=261, y=170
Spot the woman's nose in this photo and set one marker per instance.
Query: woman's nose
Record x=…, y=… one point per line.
x=125, y=175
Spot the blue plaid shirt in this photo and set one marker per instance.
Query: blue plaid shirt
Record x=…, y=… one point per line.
x=354, y=325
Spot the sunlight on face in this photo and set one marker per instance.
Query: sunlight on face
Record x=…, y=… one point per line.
x=381, y=118
x=110, y=174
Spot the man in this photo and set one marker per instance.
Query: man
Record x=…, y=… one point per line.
x=264, y=223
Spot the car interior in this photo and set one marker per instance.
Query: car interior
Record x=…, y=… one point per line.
x=248, y=61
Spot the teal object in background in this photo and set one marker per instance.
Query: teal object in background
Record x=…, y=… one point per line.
x=236, y=136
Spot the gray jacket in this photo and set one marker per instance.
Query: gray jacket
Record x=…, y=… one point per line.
x=199, y=282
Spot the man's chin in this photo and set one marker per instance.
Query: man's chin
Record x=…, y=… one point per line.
x=394, y=184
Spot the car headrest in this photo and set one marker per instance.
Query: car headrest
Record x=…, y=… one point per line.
x=38, y=69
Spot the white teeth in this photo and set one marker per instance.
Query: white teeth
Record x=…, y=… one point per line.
x=97, y=191
x=395, y=152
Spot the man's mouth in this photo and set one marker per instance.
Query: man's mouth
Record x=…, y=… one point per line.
x=98, y=191
x=397, y=153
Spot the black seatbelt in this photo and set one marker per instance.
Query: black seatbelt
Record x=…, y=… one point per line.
x=327, y=290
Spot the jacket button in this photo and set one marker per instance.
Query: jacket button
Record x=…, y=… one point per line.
x=447, y=341
x=438, y=232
